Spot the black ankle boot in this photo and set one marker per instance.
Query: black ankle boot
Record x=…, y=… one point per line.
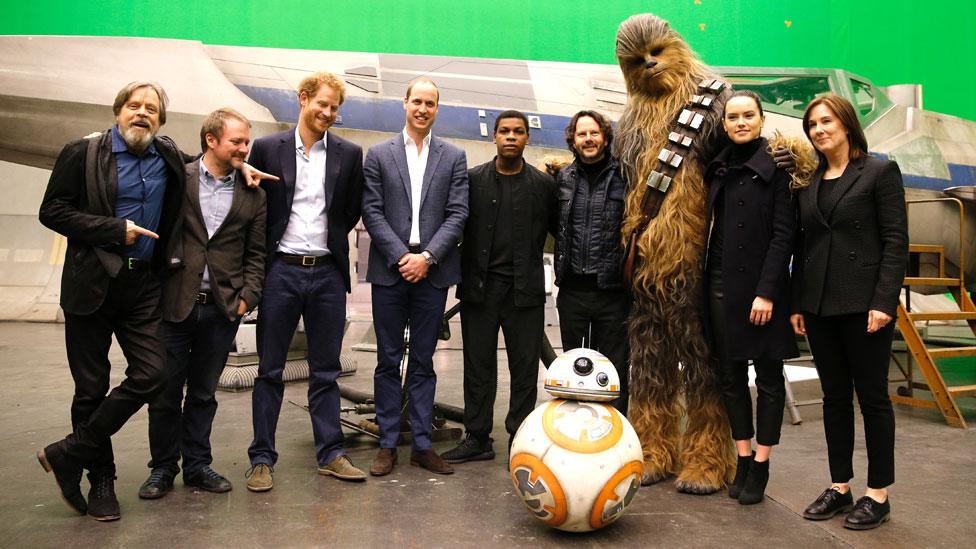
x=755, y=487
x=102, y=503
x=741, y=472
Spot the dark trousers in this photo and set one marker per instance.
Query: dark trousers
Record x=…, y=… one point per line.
x=422, y=306
x=196, y=351
x=522, y=327
x=597, y=319
x=849, y=359
x=132, y=312
x=317, y=295
x=770, y=385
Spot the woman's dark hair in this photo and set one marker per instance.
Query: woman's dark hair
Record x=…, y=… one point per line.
x=751, y=95
x=844, y=111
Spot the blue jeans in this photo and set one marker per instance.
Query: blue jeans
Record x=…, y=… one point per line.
x=318, y=295
x=196, y=352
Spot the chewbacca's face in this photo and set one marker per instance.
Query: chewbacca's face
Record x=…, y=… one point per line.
x=653, y=57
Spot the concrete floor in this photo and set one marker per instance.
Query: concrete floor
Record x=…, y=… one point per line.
x=933, y=501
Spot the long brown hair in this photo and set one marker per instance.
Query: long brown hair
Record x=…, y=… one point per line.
x=844, y=111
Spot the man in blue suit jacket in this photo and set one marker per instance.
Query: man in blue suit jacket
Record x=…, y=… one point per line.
x=310, y=213
x=415, y=203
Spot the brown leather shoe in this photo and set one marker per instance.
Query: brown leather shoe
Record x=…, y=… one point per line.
x=428, y=459
x=384, y=462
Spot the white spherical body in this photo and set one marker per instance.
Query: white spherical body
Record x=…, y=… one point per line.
x=576, y=465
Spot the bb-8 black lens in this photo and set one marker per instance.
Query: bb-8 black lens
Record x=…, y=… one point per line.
x=583, y=366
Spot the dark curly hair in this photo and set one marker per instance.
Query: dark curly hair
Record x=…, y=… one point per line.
x=601, y=121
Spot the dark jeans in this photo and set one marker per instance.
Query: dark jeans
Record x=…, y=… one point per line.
x=196, y=351
x=849, y=359
x=770, y=385
x=132, y=312
x=422, y=305
x=597, y=319
x=317, y=295
x=522, y=327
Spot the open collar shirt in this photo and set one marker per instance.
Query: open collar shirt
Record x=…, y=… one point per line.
x=307, y=230
x=416, y=166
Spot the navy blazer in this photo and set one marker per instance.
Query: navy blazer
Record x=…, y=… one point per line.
x=387, y=213
x=275, y=154
x=851, y=256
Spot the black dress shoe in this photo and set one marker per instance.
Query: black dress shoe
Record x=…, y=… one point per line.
x=102, y=504
x=67, y=474
x=159, y=483
x=207, y=479
x=470, y=449
x=829, y=504
x=868, y=514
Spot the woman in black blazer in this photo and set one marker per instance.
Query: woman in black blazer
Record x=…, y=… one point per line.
x=747, y=273
x=848, y=270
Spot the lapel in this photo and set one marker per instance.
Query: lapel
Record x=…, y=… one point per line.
x=236, y=202
x=333, y=153
x=433, y=156
x=107, y=166
x=811, y=194
x=287, y=160
x=843, y=185
x=400, y=159
x=193, y=190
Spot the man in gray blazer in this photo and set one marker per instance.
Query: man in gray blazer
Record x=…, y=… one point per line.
x=223, y=243
x=415, y=203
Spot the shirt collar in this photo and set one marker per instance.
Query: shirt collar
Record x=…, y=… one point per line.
x=119, y=145
x=226, y=180
x=407, y=140
x=300, y=147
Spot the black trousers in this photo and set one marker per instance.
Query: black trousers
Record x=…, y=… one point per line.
x=179, y=427
x=132, y=312
x=851, y=360
x=598, y=318
x=523, y=330
x=770, y=385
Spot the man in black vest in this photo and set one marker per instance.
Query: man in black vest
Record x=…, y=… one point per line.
x=117, y=198
x=512, y=209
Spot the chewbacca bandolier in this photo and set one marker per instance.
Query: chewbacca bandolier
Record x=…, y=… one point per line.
x=669, y=131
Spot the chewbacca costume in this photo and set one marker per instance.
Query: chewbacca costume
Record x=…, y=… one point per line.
x=666, y=324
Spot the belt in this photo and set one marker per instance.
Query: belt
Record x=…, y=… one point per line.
x=204, y=298
x=305, y=260
x=416, y=249
x=133, y=264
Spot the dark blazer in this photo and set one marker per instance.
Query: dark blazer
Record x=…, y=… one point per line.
x=851, y=257
x=387, y=213
x=533, y=206
x=235, y=254
x=758, y=229
x=79, y=203
x=275, y=154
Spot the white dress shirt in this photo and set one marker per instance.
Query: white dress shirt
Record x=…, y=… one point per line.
x=416, y=165
x=307, y=225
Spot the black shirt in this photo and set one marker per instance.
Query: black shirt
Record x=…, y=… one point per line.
x=500, y=259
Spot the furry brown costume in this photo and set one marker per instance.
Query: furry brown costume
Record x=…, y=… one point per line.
x=662, y=73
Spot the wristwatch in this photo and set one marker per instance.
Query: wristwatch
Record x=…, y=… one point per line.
x=428, y=257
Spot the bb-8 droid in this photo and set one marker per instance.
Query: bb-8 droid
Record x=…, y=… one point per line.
x=576, y=461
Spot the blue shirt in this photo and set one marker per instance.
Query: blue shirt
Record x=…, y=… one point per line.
x=216, y=196
x=139, y=197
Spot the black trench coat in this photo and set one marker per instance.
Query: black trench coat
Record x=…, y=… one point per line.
x=759, y=227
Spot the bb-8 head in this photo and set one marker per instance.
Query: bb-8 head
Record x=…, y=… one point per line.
x=583, y=374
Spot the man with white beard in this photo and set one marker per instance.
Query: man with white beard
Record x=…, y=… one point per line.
x=117, y=198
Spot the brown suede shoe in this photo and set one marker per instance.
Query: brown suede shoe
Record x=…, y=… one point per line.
x=384, y=462
x=428, y=459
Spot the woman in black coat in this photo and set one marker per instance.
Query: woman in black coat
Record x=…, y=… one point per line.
x=849, y=266
x=753, y=223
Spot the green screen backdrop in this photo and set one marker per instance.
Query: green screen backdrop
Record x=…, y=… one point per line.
x=889, y=42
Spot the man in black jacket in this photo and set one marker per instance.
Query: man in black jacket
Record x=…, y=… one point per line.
x=117, y=198
x=511, y=210
x=592, y=302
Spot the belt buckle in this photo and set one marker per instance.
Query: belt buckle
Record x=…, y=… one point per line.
x=202, y=298
x=131, y=263
x=308, y=260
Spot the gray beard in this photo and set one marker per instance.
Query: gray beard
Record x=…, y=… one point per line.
x=137, y=142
